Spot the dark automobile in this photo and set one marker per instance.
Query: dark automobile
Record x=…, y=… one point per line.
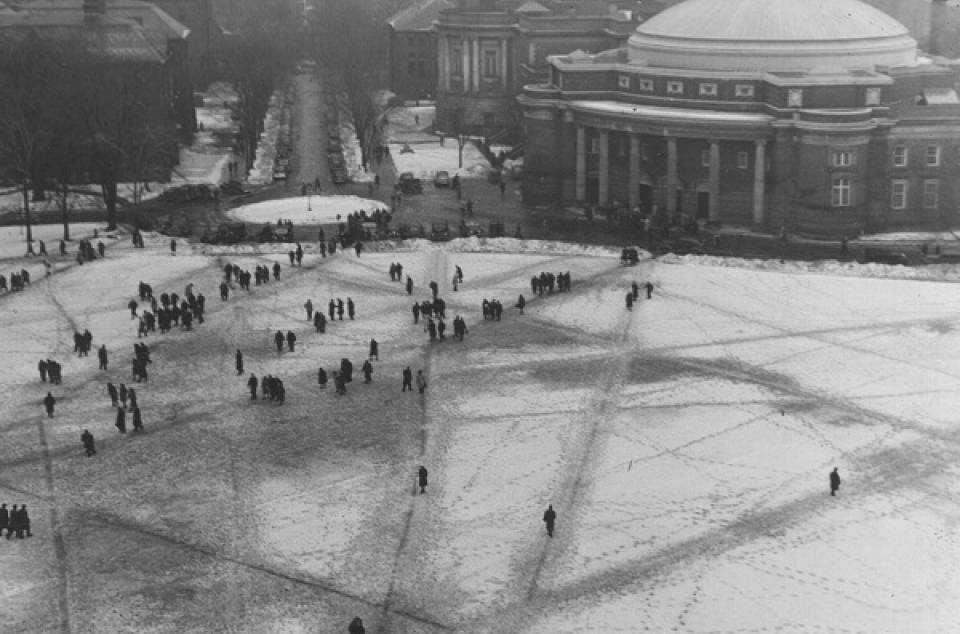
x=682, y=246
x=410, y=184
x=441, y=179
x=882, y=256
x=630, y=256
x=440, y=231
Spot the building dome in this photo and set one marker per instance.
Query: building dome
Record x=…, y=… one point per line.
x=772, y=36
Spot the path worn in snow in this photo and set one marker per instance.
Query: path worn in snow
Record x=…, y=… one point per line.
x=685, y=446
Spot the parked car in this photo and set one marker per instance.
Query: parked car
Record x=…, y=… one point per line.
x=682, y=246
x=470, y=228
x=882, y=256
x=630, y=255
x=279, y=173
x=410, y=184
x=441, y=179
x=440, y=231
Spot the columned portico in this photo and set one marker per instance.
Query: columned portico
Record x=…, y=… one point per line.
x=714, y=214
x=603, y=168
x=672, y=179
x=759, y=180
x=633, y=197
x=581, y=177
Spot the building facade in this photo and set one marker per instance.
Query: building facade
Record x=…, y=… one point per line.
x=413, y=50
x=815, y=118
x=487, y=50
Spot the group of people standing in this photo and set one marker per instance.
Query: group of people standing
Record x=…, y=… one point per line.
x=16, y=521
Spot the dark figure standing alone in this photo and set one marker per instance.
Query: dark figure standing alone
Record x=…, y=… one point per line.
x=549, y=517
x=87, y=439
x=834, y=481
x=407, y=379
x=48, y=403
x=422, y=479
x=356, y=626
x=649, y=288
x=102, y=356
x=278, y=340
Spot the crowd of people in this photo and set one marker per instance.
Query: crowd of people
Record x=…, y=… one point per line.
x=15, y=521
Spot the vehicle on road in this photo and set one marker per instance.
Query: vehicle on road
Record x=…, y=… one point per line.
x=470, y=228
x=883, y=256
x=630, y=256
x=226, y=233
x=409, y=184
x=440, y=230
x=441, y=178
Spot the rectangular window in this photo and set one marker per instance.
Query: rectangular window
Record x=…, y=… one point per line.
x=744, y=90
x=900, y=156
x=645, y=84
x=491, y=66
x=644, y=152
x=898, y=194
x=623, y=81
x=933, y=155
x=931, y=194
x=795, y=98
x=840, y=192
x=842, y=158
x=743, y=160
x=705, y=158
x=872, y=97
x=708, y=90
x=456, y=60
x=674, y=87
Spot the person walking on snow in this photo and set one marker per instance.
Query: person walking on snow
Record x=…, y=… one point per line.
x=422, y=479
x=48, y=403
x=549, y=517
x=421, y=381
x=278, y=341
x=239, y=358
x=649, y=287
x=173, y=247
x=308, y=306
x=87, y=439
x=374, y=350
x=102, y=356
x=834, y=481
x=407, y=379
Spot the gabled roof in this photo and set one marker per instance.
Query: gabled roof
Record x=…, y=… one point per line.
x=420, y=16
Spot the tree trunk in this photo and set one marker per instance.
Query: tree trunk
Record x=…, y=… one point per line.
x=63, y=213
x=26, y=217
x=110, y=200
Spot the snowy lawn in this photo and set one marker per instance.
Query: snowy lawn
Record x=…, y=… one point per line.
x=684, y=444
x=426, y=159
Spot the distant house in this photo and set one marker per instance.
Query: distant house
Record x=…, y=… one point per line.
x=413, y=49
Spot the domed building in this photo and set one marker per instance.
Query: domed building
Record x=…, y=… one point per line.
x=817, y=117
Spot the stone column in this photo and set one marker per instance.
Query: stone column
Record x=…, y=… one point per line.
x=672, y=175
x=714, y=180
x=503, y=65
x=634, y=194
x=475, y=71
x=443, y=63
x=465, y=44
x=759, y=180
x=603, y=168
x=581, y=184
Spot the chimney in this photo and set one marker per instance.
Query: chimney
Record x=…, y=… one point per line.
x=93, y=10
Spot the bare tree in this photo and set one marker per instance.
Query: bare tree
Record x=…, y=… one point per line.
x=29, y=74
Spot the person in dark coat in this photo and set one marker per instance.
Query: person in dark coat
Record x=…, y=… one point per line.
x=629, y=301
x=123, y=394
x=351, y=309
x=521, y=302
x=102, y=356
x=23, y=523
x=549, y=517
x=340, y=309
x=48, y=403
x=322, y=378
x=4, y=519
x=42, y=366
x=291, y=340
x=635, y=289
x=308, y=306
x=356, y=626
x=374, y=350
x=137, y=421
x=112, y=392
x=101, y=249
x=649, y=287
x=276, y=270
x=13, y=521
x=278, y=340
x=252, y=384
x=416, y=312
x=834, y=481
x=173, y=247
x=407, y=379
x=422, y=479
x=239, y=360
x=331, y=309
x=87, y=439
x=121, y=423
x=409, y=285
x=421, y=381
x=367, y=369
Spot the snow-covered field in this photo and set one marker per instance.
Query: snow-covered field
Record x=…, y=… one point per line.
x=684, y=444
x=301, y=209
